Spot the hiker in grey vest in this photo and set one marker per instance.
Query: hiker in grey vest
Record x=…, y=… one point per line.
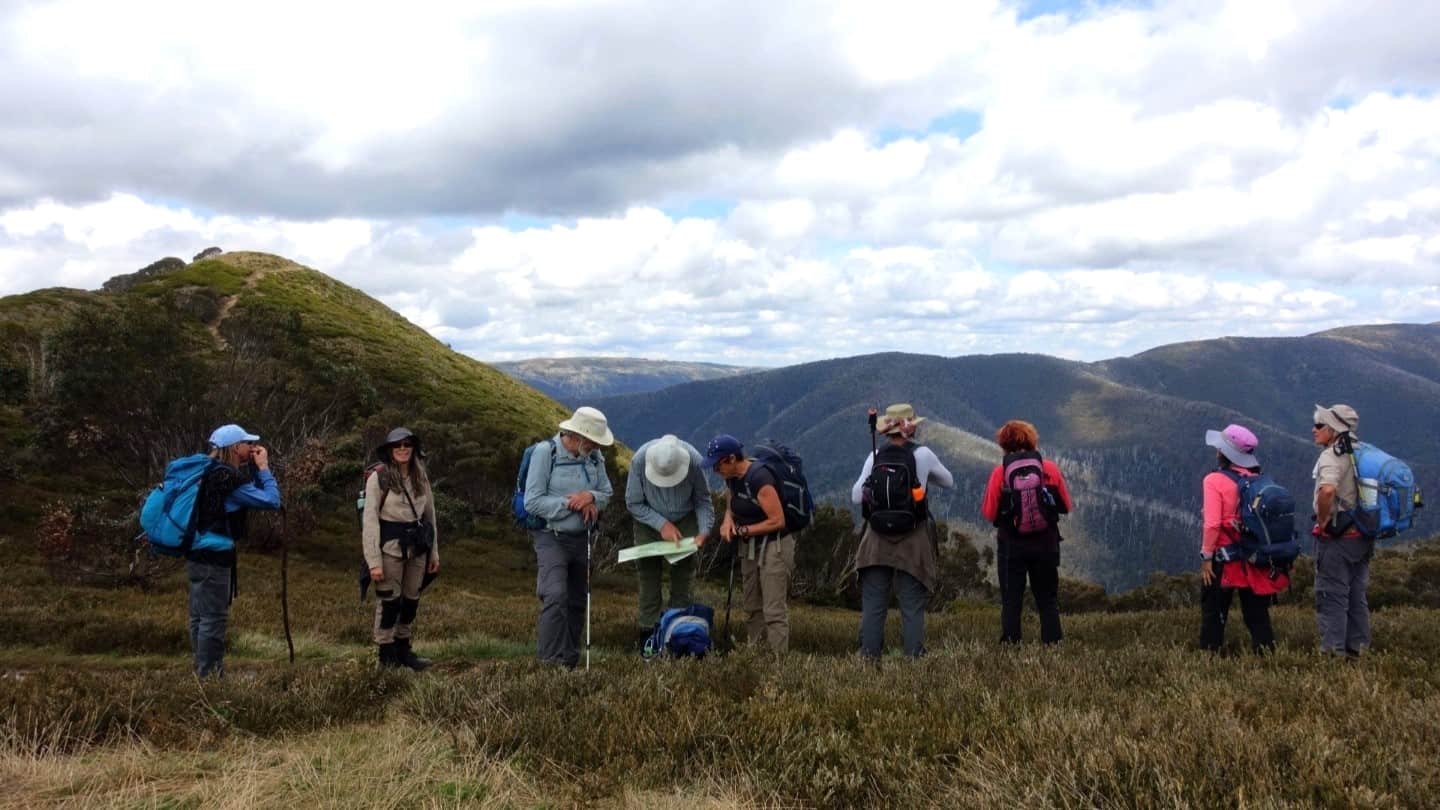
x=1342, y=553
x=237, y=481
x=755, y=518
x=667, y=496
x=401, y=545
x=907, y=560
x=567, y=487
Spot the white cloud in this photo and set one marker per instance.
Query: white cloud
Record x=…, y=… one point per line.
x=500, y=173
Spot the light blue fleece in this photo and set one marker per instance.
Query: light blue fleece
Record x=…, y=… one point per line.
x=555, y=476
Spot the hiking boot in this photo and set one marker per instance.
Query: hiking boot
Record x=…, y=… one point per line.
x=388, y=659
x=404, y=656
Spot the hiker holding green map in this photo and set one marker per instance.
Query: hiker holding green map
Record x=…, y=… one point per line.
x=667, y=496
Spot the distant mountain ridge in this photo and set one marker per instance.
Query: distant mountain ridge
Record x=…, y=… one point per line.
x=1129, y=432
x=573, y=380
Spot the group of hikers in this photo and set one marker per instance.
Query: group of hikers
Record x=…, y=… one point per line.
x=564, y=487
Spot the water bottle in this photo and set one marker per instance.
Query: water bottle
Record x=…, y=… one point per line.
x=1369, y=494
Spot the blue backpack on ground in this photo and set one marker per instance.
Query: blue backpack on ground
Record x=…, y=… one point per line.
x=524, y=519
x=1267, y=524
x=681, y=632
x=1388, y=494
x=167, y=517
x=786, y=466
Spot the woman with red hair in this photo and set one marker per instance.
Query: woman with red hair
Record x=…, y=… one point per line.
x=1024, y=498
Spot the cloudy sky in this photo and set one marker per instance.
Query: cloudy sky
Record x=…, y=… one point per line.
x=755, y=183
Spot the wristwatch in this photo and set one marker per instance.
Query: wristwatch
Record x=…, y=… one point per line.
x=742, y=531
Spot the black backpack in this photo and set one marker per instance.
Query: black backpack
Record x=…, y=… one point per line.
x=888, y=500
x=794, y=491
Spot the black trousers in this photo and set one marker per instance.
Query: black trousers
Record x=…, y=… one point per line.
x=1017, y=562
x=1215, y=613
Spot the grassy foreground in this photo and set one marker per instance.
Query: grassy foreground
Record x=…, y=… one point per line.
x=96, y=708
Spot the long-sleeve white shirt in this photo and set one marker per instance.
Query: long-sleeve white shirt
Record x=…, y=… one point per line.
x=927, y=468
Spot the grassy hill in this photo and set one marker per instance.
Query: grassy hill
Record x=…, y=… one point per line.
x=1129, y=432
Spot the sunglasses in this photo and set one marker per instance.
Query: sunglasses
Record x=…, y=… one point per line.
x=1319, y=426
x=405, y=445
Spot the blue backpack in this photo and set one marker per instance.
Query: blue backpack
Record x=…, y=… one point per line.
x=681, y=632
x=1388, y=494
x=1267, y=524
x=167, y=517
x=524, y=519
x=794, y=490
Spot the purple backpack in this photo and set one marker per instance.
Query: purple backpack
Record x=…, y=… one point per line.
x=1027, y=504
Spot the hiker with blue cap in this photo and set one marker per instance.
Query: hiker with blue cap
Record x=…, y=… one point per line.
x=237, y=480
x=755, y=520
x=668, y=497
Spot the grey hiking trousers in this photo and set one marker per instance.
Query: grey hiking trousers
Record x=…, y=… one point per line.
x=560, y=568
x=209, y=613
x=1342, y=610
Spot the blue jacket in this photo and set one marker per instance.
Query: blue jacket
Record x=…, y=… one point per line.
x=261, y=493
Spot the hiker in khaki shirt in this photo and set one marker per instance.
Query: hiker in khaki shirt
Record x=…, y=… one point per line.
x=1342, y=553
x=400, y=544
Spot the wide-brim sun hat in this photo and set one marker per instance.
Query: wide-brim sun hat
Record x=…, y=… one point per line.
x=667, y=462
x=1235, y=443
x=897, y=418
x=395, y=437
x=226, y=435
x=1339, y=418
x=590, y=423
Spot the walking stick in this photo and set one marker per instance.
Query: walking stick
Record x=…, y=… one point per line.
x=285, y=584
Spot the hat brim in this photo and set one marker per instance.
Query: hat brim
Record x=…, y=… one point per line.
x=886, y=428
x=1216, y=439
x=667, y=480
x=604, y=440
x=383, y=451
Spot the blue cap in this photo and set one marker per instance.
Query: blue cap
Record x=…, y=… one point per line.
x=720, y=447
x=226, y=435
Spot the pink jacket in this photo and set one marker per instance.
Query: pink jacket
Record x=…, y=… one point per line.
x=1221, y=527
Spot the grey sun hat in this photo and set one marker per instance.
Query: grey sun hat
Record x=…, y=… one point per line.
x=398, y=434
x=1339, y=418
x=591, y=424
x=667, y=461
x=1236, y=443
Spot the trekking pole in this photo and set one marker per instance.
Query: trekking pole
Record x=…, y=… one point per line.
x=589, y=543
x=873, y=416
x=285, y=584
x=853, y=561
x=730, y=595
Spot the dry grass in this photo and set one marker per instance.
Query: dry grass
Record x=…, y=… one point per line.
x=1125, y=713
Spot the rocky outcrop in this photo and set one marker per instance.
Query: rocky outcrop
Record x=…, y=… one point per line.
x=207, y=253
